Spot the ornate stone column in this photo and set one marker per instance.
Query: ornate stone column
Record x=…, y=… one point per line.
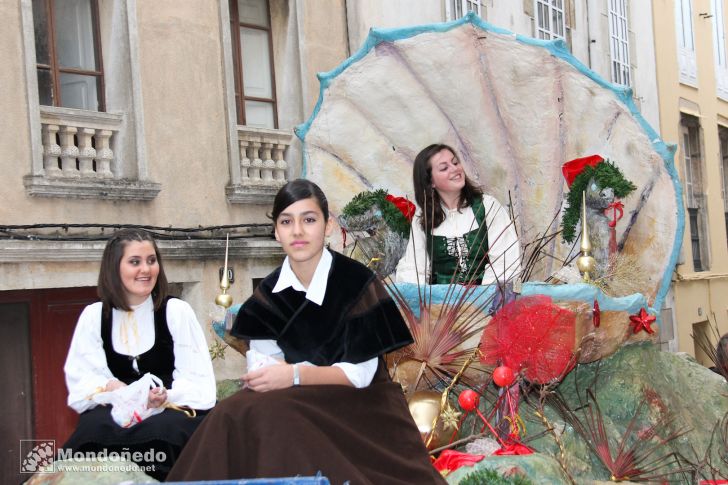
x=51, y=151
x=69, y=151
x=244, y=161
x=256, y=164
x=86, y=152
x=104, y=154
x=281, y=169
x=266, y=172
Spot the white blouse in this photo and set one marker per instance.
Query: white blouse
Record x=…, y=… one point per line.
x=360, y=375
x=504, y=251
x=132, y=333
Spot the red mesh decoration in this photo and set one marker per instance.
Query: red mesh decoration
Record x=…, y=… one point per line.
x=533, y=335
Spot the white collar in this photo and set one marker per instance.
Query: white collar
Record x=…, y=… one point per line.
x=316, y=289
x=448, y=211
x=143, y=306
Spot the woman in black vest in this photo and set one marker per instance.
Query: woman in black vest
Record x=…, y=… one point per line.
x=459, y=234
x=136, y=328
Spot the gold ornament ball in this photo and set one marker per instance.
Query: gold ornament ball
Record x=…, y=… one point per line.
x=224, y=300
x=586, y=264
x=425, y=407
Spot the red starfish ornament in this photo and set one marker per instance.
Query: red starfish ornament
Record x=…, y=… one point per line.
x=642, y=321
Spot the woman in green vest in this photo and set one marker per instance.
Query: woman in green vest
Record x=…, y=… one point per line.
x=459, y=234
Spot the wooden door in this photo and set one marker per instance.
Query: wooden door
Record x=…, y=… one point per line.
x=51, y=329
x=16, y=383
x=36, y=326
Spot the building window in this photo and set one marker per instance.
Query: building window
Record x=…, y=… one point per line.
x=68, y=54
x=685, y=41
x=255, y=95
x=723, y=134
x=619, y=42
x=684, y=15
x=257, y=143
x=456, y=9
x=694, y=192
x=719, y=50
x=719, y=33
x=85, y=119
x=550, y=19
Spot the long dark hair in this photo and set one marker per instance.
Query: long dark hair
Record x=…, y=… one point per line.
x=296, y=190
x=721, y=355
x=425, y=194
x=110, y=287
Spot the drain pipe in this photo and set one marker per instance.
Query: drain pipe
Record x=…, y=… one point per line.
x=589, y=40
x=346, y=20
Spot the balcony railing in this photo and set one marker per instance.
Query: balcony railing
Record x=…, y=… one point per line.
x=79, y=160
x=263, y=168
x=78, y=145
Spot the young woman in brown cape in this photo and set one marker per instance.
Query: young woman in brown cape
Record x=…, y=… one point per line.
x=328, y=404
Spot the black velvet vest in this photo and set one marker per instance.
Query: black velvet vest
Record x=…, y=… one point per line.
x=357, y=320
x=159, y=359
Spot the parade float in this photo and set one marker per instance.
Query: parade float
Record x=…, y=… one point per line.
x=554, y=375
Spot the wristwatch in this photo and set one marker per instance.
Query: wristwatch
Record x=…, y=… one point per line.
x=296, y=376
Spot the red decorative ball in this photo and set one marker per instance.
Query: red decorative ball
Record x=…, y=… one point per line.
x=468, y=400
x=503, y=376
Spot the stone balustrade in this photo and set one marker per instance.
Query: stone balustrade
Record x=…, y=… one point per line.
x=263, y=168
x=77, y=144
x=262, y=159
x=76, y=158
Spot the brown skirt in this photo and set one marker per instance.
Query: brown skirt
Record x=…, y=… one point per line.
x=366, y=436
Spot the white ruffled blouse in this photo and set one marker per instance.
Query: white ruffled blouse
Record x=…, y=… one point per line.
x=504, y=250
x=132, y=333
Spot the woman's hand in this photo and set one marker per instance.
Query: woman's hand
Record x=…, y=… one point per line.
x=270, y=378
x=157, y=397
x=113, y=385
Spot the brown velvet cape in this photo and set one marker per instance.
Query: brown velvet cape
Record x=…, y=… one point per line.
x=366, y=436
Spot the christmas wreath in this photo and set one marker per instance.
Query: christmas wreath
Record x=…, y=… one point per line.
x=578, y=173
x=397, y=212
x=379, y=224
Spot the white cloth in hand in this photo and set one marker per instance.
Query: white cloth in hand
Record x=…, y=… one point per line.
x=258, y=360
x=130, y=403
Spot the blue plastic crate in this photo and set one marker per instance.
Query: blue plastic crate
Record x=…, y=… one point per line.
x=317, y=480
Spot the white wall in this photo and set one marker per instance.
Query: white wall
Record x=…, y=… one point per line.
x=361, y=16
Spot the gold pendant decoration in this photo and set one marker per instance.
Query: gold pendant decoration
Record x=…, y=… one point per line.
x=223, y=299
x=586, y=263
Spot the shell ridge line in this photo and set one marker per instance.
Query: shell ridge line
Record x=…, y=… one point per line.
x=349, y=168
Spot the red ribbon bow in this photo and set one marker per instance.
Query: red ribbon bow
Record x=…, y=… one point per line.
x=617, y=209
x=451, y=460
x=406, y=207
x=513, y=447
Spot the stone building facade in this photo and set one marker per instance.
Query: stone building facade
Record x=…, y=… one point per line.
x=692, y=77
x=177, y=114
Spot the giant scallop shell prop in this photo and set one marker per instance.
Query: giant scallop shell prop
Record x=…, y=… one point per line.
x=515, y=109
